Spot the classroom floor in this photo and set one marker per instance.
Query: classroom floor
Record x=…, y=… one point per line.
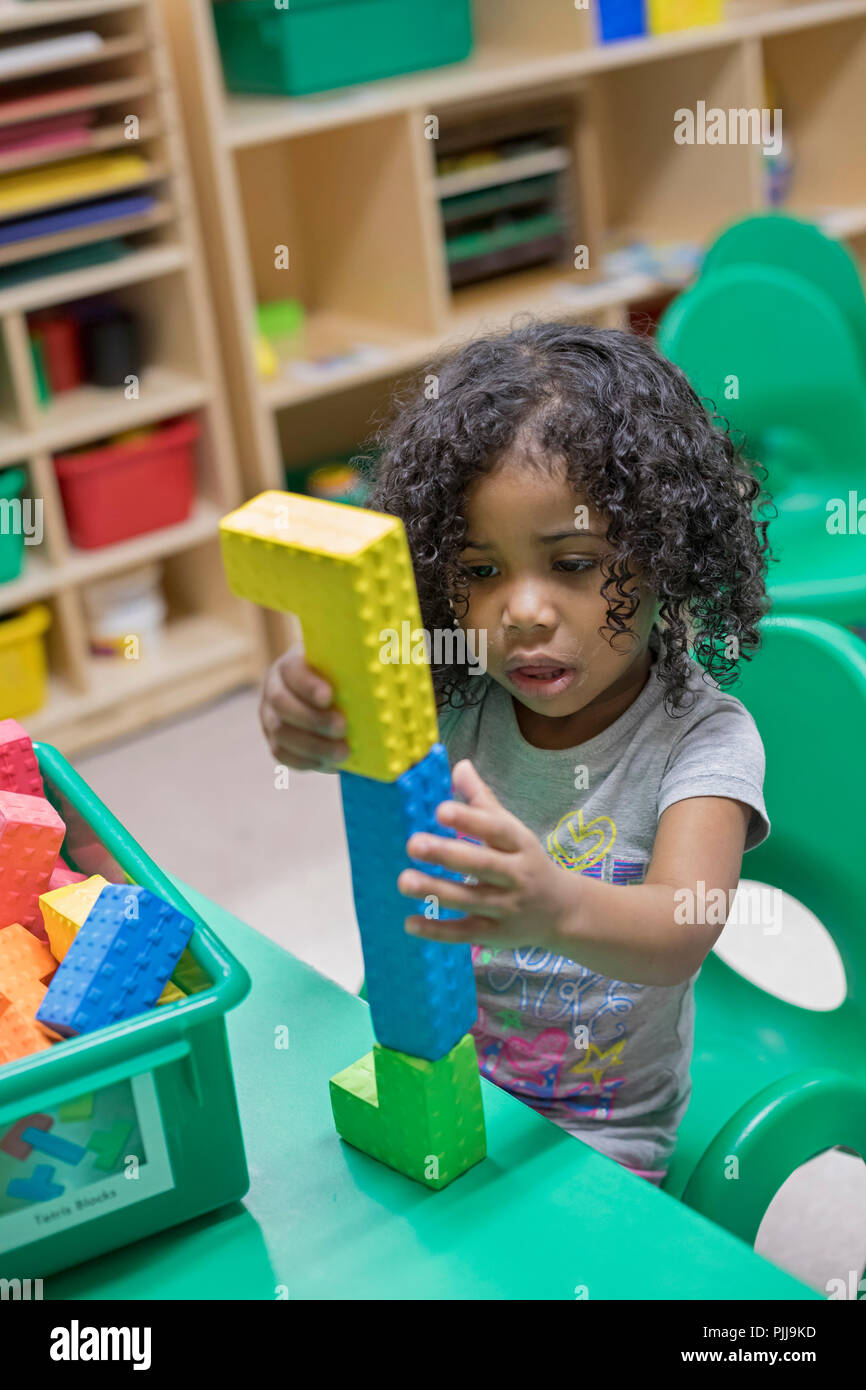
x=199, y=793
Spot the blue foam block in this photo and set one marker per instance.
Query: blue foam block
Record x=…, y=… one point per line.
x=421, y=993
x=119, y=962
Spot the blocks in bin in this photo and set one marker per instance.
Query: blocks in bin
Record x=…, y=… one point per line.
x=347, y=574
x=31, y=834
x=62, y=875
x=19, y=1035
x=425, y=1119
x=421, y=993
x=25, y=967
x=19, y=770
x=119, y=962
x=65, y=910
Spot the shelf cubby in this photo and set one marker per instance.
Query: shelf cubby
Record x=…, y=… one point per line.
x=820, y=80
x=157, y=274
x=350, y=182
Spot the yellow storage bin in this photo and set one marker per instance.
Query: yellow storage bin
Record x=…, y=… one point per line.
x=667, y=15
x=22, y=661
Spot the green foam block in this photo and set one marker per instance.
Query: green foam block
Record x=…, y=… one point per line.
x=426, y=1119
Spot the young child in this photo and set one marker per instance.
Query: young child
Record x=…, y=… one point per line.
x=572, y=507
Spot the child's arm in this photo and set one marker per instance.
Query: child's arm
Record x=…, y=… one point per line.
x=646, y=933
x=521, y=897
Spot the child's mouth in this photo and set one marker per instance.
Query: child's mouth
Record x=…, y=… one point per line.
x=546, y=681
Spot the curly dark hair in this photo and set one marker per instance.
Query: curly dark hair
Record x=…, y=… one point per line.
x=658, y=463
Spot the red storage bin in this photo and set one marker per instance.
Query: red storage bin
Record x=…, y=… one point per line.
x=120, y=490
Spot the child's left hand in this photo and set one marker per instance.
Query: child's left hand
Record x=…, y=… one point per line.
x=521, y=896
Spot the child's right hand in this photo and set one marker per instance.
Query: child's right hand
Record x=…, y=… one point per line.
x=301, y=729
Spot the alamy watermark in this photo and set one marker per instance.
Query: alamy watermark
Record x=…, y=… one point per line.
x=755, y=905
x=742, y=125
x=446, y=646
x=22, y=517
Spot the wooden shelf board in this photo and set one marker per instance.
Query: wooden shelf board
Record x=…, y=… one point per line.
x=836, y=222
x=28, y=16
x=109, y=137
x=83, y=236
x=147, y=264
x=328, y=334
x=41, y=578
x=121, y=47
x=93, y=412
x=191, y=646
x=525, y=166
x=9, y=433
x=78, y=99
x=552, y=292
x=35, y=583
x=257, y=120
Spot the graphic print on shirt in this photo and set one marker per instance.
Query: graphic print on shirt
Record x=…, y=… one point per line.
x=579, y=1065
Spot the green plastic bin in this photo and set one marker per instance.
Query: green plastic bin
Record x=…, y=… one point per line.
x=314, y=45
x=12, y=484
x=165, y=1076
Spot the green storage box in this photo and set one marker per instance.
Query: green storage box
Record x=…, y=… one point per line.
x=314, y=45
x=12, y=484
x=143, y=1114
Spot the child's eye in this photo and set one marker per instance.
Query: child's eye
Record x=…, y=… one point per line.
x=575, y=565
x=473, y=570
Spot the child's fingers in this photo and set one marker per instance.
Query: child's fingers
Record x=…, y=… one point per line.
x=456, y=930
x=497, y=828
x=486, y=865
x=486, y=897
x=288, y=744
x=288, y=693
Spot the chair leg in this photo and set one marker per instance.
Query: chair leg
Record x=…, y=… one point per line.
x=779, y=1129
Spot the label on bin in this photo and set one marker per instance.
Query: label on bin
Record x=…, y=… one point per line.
x=80, y=1160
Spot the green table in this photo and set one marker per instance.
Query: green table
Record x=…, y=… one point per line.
x=543, y=1216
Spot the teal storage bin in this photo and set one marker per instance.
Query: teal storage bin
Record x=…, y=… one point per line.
x=144, y=1123
x=318, y=44
x=12, y=484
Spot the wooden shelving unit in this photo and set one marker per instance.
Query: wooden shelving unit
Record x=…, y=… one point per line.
x=212, y=642
x=347, y=180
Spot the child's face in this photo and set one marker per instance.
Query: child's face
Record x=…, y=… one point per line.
x=534, y=586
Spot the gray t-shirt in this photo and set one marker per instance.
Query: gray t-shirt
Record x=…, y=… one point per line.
x=605, y=1059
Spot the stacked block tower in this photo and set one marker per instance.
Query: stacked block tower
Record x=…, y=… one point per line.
x=414, y=1102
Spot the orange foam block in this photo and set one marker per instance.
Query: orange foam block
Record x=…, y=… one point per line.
x=19, y=1035
x=31, y=834
x=26, y=967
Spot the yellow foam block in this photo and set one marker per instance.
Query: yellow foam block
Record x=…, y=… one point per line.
x=74, y=178
x=65, y=909
x=170, y=994
x=347, y=574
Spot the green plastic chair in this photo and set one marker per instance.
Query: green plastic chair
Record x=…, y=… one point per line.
x=800, y=403
x=776, y=239
x=775, y=1084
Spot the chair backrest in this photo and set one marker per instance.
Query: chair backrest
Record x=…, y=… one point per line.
x=806, y=690
x=801, y=248
x=777, y=359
